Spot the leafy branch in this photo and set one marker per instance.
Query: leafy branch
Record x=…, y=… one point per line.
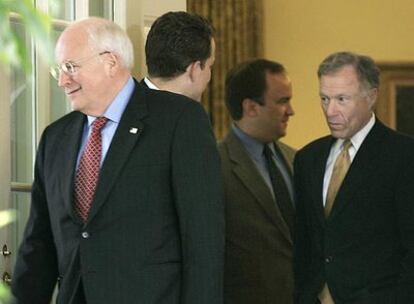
x=12, y=47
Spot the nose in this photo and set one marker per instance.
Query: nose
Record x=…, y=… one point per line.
x=330, y=108
x=63, y=79
x=290, y=111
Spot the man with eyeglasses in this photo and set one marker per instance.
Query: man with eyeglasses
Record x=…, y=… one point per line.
x=119, y=212
x=69, y=67
x=355, y=197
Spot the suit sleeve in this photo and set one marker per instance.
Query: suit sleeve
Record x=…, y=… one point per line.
x=197, y=186
x=301, y=250
x=36, y=272
x=405, y=217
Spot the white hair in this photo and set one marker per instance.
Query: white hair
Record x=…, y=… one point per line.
x=105, y=35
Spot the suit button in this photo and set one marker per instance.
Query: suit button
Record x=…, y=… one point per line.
x=85, y=235
x=328, y=259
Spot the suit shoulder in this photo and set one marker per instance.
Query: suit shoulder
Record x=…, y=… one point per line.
x=286, y=148
x=400, y=141
x=59, y=124
x=171, y=107
x=403, y=137
x=395, y=140
x=222, y=143
x=169, y=99
x=222, y=147
x=287, y=151
x=67, y=118
x=314, y=146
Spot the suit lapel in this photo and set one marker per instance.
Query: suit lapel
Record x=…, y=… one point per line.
x=362, y=168
x=245, y=169
x=69, y=145
x=318, y=175
x=125, y=138
x=284, y=157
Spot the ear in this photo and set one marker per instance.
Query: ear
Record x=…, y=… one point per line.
x=249, y=107
x=193, y=70
x=372, y=97
x=112, y=63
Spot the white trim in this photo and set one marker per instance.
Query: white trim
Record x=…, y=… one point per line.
x=81, y=9
x=5, y=159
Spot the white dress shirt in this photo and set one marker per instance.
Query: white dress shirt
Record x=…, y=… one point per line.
x=150, y=84
x=336, y=148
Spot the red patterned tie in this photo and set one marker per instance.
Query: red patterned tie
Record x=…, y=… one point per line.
x=88, y=170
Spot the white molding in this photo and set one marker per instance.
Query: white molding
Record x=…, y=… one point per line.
x=136, y=17
x=81, y=9
x=5, y=160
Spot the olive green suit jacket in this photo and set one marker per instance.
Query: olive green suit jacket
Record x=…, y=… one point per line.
x=258, y=258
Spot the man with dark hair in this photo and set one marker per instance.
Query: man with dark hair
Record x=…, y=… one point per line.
x=259, y=199
x=355, y=193
x=180, y=53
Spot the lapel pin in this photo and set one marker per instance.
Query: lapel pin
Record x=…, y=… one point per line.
x=133, y=130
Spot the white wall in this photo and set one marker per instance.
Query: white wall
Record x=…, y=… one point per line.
x=136, y=16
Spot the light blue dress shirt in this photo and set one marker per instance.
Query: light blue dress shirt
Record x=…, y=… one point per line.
x=254, y=149
x=114, y=114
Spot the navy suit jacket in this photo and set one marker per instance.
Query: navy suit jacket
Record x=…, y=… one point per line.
x=155, y=233
x=365, y=249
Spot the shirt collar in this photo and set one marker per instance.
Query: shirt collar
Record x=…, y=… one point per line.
x=252, y=145
x=150, y=84
x=116, y=108
x=358, y=137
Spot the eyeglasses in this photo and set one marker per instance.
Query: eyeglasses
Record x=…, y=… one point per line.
x=71, y=67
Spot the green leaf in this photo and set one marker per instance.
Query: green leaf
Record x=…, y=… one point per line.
x=4, y=294
x=7, y=216
x=37, y=25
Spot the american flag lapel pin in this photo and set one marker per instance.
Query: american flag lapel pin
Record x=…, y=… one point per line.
x=133, y=130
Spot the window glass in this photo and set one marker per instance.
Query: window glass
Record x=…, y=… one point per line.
x=21, y=203
x=101, y=8
x=59, y=106
x=21, y=111
x=63, y=10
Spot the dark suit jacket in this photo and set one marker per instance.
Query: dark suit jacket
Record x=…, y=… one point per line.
x=258, y=263
x=155, y=233
x=365, y=249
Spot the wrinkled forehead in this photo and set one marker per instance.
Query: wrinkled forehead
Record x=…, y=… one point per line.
x=72, y=44
x=346, y=76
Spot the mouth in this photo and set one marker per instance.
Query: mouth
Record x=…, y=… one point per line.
x=73, y=91
x=334, y=125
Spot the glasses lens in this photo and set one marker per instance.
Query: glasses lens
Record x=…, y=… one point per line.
x=68, y=68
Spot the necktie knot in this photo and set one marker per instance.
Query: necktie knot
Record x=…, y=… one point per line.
x=346, y=144
x=267, y=152
x=99, y=123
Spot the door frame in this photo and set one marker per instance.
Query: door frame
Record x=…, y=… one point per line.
x=393, y=74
